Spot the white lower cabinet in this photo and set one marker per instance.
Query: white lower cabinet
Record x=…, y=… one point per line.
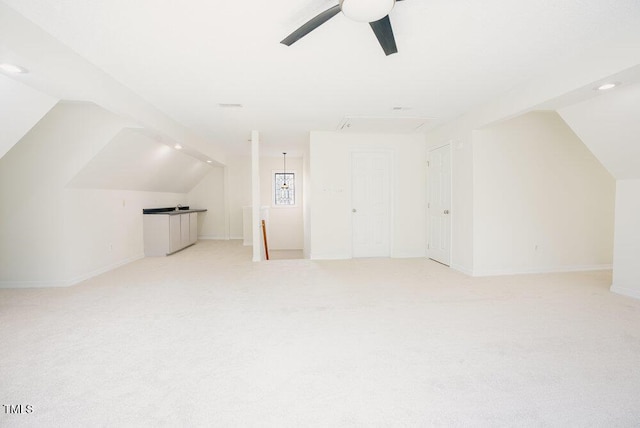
x=193, y=228
x=165, y=234
x=184, y=230
x=175, y=237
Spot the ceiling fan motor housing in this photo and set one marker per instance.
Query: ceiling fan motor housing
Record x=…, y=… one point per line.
x=366, y=10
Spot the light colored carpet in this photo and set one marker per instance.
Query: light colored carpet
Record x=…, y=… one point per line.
x=208, y=338
x=285, y=254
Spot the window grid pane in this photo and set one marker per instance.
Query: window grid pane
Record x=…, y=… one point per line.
x=284, y=196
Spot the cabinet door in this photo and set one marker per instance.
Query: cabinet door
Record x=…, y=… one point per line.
x=184, y=229
x=174, y=233
x=193, y=228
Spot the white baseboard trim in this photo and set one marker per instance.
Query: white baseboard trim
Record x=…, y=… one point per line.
x=213, y=238
x=462, y=269
x=330, y=256
x=625, y=291
x=33, y=284
x=556, y=269
x=69, y=282
x=104, y=269
x=408, y=255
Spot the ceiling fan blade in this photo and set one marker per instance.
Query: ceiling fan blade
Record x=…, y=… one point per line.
x=384, y=33
x=311, y=25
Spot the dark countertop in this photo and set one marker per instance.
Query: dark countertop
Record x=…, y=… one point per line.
x=172, y=210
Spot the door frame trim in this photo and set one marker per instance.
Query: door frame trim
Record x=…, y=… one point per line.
x=391, y=157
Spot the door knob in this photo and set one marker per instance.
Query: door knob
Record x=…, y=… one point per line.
x=353, y=210
x=446, y=211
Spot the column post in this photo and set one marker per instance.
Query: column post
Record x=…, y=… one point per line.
x=255, y=196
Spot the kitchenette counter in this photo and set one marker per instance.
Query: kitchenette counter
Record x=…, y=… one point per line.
x=167, y=230
x=172, y=210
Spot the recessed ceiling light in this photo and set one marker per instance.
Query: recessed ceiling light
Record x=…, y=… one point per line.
x=209, y=161
x=607, y=86
x=12, y=68
x=177, y=147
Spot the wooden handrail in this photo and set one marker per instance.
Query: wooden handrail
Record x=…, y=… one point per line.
x=264, y=237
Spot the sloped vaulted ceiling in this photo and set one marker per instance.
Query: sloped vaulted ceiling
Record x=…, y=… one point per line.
x=133, y=161
x=61, y=73
x=21, y=107
x=610, y=126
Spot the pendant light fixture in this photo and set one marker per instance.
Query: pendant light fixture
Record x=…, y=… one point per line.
x=284, y=186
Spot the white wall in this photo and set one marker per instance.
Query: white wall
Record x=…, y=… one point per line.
x=285, y=230
x=462, y=204
x=330, y=226
x=210, y=194
x=330, y=233
x=608, y=124
x=32, y=179
x=103, y=230
x=52, y=235
x=239, y=192
x=285, y=225
x=602, y=121
x=306, y=208
x=626, y=257
x=542, y=201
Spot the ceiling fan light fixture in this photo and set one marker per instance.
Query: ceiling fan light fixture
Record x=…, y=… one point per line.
x=366, y=10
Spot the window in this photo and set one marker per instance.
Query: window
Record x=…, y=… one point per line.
x=284, y=188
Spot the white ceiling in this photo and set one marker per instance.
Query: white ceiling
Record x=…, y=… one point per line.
x=186, y=58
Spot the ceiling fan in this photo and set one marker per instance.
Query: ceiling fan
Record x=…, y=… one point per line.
x=375, y=12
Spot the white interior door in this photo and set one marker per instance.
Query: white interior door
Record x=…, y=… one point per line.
x=371, y=211
x=439, y=205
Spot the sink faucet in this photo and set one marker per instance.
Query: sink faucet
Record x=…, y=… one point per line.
x=178, y=207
